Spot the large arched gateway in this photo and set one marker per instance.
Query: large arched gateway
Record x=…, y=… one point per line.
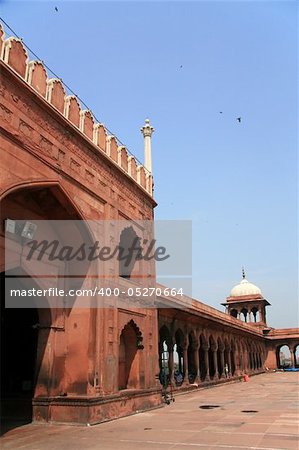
x=32, y=328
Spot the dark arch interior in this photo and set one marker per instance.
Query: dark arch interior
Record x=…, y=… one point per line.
x=18, y=361
x=127, y=375
x=234, y=313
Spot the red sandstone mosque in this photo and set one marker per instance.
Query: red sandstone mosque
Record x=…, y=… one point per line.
x=84, y=365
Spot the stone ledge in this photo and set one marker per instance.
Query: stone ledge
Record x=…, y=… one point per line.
x=93, y=410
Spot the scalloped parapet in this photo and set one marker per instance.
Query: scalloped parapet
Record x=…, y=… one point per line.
x=141, y=176
x=112, y=148
x=36, y=76
x=123, y=158
x=87, y=123
x=132, y=167
x=56, y=94
x=2, y=36
x=149, y=183
x=72, y=110
x=100, y=136
x=14, y=54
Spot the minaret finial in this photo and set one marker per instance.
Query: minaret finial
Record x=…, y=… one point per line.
x=243, y=273
x=147, y=131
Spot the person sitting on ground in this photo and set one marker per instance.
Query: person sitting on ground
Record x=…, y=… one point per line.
x=178, y=377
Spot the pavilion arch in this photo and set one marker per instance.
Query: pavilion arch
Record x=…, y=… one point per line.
x=130, y=361
x=296, y=355
x=283, y=356
x=244, y=314
x=165, y=351
x=164, y=334
x=255, y=314
x=178, y=352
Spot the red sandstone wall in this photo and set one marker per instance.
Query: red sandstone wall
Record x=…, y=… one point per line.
x=40, y=146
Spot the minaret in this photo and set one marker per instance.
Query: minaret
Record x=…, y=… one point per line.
x=147, y=131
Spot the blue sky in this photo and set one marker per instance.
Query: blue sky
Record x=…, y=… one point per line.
x=237, y=182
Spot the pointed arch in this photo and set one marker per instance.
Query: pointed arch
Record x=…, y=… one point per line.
x=178, y=352
x=129, y=368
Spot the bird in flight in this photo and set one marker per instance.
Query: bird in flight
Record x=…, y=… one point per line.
x=56, y=9
x=239, y=119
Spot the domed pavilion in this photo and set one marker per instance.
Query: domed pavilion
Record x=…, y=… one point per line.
x=246, y=302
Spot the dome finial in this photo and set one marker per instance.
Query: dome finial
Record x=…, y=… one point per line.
x=243, y=273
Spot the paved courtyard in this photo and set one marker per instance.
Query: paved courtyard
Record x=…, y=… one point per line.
x=271, y=422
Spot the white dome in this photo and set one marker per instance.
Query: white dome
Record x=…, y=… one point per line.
x=245, y=288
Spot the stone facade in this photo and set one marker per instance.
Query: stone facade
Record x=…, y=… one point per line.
x=90, y=365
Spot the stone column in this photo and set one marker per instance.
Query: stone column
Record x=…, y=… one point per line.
x=215, y=363
x=222, y=363
x=147, y=131
x=241, y=360
x=246, y=361
x=160, y=355
x=185, y=359
x=206, y=348
x=170, y=363
x=233, y=361
x=196, y=363
x=292, y=358
x=237, y=361
x=230, y=363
